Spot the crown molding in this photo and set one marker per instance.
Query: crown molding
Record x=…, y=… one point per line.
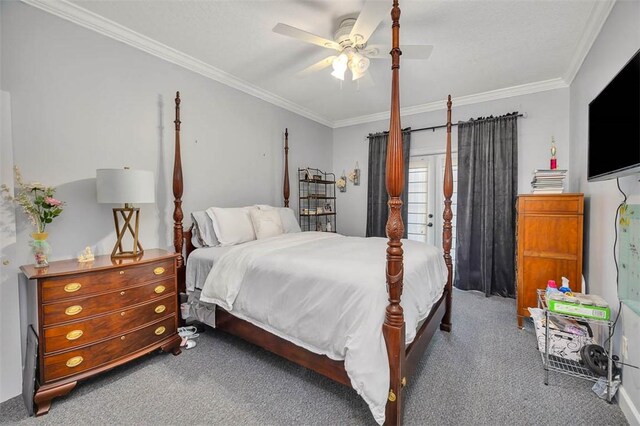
x=492, y=95
x=597, y=18
x=111, y=29
x=87, y=19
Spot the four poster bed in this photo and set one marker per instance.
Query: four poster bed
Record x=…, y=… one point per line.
x=400, y=335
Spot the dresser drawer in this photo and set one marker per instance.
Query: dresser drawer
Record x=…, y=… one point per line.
x=91, y=330
x=87, y=283
x=74, y=309
x=78, y=360
x=551, y=204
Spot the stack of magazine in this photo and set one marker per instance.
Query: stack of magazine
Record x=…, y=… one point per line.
x=548, y=181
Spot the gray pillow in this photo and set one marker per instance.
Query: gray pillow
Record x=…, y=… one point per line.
x=203, y=229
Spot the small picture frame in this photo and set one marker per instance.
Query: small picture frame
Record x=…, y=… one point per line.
x=317, y=177
x=327, y=208
x=319, y=210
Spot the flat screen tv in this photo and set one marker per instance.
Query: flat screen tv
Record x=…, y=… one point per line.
x=614, y=126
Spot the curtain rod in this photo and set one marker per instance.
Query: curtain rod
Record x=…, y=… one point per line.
x=433, y=128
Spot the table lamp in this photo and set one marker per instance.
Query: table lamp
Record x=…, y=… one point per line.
x=125, y=186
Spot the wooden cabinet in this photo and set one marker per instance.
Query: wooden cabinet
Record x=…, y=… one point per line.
x=549, y=244
x=94, y=316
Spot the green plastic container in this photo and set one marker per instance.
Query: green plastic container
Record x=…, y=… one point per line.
x=578, y=310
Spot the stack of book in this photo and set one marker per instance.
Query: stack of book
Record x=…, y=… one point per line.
x=547, y=181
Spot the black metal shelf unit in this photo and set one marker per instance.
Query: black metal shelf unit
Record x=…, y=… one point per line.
x=317, y=200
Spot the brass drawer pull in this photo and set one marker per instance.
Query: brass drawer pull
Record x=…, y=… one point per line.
x=159, y=289
x=122, y=293
x=73, y=310
x=74, y=335
x=160, y=309
x=121, y=272
x=159, y=270
x=71, y=287
x=75, y=361
x=160, y=330
x=121, y=337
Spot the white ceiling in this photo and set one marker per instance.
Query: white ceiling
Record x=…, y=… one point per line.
x=480, y=46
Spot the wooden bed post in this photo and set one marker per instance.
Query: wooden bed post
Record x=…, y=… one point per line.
x=285, y=189
x=393, y=328
x=178, y=237
x=447, y=215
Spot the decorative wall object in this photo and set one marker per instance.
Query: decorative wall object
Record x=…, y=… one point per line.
x=354, y=176
x=342, y=183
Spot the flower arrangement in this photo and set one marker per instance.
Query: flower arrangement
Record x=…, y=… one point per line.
x=36, y=201
x=341, y=183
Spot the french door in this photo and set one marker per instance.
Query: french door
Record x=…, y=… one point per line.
x=426, y=200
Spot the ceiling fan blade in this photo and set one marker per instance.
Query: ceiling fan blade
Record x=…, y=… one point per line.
x=372, y=14
x=322, y=64
x=294, y=32
x=409, y=51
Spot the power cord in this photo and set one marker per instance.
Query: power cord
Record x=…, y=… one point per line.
x=615, y=260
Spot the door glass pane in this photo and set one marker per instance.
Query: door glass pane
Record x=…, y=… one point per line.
x=418, y=201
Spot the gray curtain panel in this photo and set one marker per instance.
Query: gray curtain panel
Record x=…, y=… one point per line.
x=486, y=217
x=377, y=209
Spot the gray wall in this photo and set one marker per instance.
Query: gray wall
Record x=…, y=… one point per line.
x=547, y=115
x=619, y=39
x=82, y=101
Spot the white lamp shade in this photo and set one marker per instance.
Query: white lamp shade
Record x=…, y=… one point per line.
x=120, y=186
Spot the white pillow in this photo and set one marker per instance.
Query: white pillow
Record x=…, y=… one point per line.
x=289, y=222
x=232, y=225
x=287, y=217
x=266, y=223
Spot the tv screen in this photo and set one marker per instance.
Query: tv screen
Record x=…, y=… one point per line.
x=614, y=126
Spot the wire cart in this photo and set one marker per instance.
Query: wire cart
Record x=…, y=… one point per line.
x=567, y=366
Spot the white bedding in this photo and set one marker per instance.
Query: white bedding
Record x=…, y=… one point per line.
x=199, y=264
x=327, y=293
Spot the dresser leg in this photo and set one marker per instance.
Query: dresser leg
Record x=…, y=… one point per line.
x=172, y=346
x=44, y=395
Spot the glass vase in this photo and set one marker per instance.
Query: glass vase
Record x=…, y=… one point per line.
x=41, y=249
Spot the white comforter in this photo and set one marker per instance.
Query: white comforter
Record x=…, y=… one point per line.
x=327, y=293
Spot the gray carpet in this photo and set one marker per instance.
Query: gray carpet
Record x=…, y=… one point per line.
x=485, y=372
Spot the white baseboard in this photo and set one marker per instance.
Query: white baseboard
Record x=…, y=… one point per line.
x=628, y=408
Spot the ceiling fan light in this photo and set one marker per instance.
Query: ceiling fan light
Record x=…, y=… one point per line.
x=340, y=62
x=340, y=66
x=339, y=74
x=359, y=63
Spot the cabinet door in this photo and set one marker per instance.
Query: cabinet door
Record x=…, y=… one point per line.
x=537, y=271
x=552, y=236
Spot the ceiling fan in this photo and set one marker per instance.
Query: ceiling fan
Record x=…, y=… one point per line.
x=350, y=43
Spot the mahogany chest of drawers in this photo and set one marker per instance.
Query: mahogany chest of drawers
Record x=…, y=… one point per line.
x=94, y=316
x=549, y=244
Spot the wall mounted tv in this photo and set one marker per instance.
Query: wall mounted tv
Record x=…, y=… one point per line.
x=614, y=126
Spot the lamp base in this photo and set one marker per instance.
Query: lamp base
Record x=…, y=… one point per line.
x=127, y=213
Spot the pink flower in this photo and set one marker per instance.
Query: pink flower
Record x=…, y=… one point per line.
x=52, y=201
